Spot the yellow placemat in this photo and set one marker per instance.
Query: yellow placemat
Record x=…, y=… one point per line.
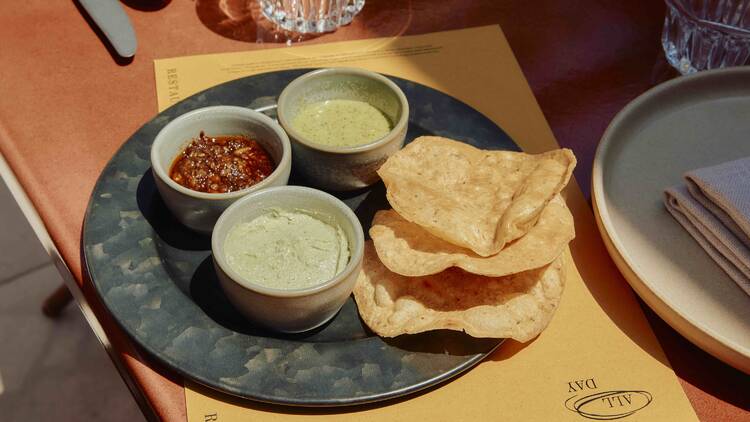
x=598, y=359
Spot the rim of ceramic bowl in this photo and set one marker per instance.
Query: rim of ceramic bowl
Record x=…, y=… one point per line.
x=232, y=111
x=397, y=128
x=687, y=12
x=356, y=250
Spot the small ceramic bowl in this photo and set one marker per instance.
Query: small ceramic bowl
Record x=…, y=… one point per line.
x=343, y=168
x=289, y=311
x=200, y=210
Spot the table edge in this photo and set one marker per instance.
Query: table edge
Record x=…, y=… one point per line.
x=40, y=230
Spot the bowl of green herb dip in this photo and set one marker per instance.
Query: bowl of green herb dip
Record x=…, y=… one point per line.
x=343, y=124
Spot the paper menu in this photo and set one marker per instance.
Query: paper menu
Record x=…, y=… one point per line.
x=598, y=359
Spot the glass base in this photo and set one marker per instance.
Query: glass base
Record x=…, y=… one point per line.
x=311, y=16
x=712, y=40
x=680, y=62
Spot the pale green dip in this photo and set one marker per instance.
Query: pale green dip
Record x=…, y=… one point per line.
x=286, y=250
x=341, y=123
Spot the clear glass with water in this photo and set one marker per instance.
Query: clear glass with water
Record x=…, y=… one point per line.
x=706, y=34
x=311, y=16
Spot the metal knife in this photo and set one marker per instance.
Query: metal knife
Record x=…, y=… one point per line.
x=111, y=18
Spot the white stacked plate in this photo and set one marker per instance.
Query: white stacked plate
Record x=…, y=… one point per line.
x=684, y=124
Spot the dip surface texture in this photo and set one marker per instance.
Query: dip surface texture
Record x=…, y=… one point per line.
x=221, y=164
x=341, y=123
x=287, y=250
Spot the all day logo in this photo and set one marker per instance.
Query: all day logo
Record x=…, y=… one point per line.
x=591, y=403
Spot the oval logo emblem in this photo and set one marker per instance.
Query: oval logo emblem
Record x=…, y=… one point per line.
x=608, y=405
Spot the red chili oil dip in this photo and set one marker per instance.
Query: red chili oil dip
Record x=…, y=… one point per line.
x=220, y=164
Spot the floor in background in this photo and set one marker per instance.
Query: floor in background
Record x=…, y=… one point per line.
x=49, y=369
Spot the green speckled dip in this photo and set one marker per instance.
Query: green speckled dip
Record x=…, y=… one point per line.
x=341, y=168
x=342, y=123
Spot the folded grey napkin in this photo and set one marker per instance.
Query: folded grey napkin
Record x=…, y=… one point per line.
x=714, y=207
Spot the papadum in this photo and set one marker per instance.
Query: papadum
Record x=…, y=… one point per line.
x=517, y=306
x=408, y=249
x=480, y=200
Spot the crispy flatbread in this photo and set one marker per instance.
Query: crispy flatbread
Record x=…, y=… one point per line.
x=480, y=200
x=517, y=306
x=407, y=249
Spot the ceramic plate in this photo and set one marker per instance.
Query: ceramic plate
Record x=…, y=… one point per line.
x=684, y=124
x=157, y=279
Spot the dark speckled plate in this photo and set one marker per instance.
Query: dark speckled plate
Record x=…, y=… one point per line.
x=157, y=279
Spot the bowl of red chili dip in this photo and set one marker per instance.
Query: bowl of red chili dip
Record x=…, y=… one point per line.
x=206, y=159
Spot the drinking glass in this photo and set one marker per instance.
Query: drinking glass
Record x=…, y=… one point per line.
x=706, y=34
x=310, y=16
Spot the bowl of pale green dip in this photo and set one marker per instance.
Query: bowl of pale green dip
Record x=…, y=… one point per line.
x=343, y=124
x=288, y=257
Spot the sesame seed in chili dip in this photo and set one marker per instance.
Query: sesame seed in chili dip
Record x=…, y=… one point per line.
x=221, y=164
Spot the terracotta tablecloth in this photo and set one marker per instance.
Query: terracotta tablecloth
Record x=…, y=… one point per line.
x=66, y=105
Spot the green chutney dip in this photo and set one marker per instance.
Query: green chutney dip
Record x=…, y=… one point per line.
x=287, y=250
x=341, y=123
